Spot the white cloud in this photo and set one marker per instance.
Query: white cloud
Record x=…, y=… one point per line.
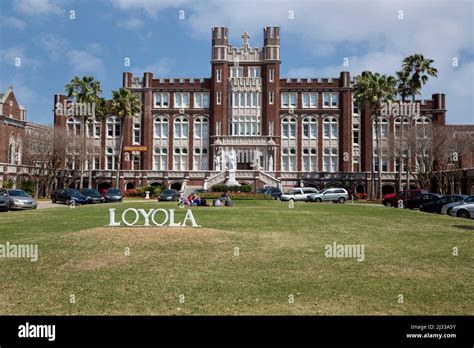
x=151, y=7
x=12, y=22
x=83, y=62
x=38, y=7
x=159, y=68
x=133, y=23
x=54, y=45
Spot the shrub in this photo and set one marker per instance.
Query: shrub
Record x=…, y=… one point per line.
x=360, y=196
x=154, y=190
x=232, y=188
x=8, y=184
x=132, y=193
x=209, y=196
x=28, y=186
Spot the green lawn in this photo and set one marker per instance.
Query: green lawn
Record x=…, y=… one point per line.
x=281, y=257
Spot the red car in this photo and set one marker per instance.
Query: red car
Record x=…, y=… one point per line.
x=392, y=199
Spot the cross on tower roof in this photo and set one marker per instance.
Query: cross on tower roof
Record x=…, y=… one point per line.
x=246, y=37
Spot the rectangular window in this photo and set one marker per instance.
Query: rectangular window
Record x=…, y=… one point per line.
x=201, y=100
x=326, y=100
x=310, y=100
x=288, y=100
x=181, y=100
x=161, y=100
x=218, y=75
x=96, y=165
x=218, y=98
x=253, y=71
x=271, y=75
x=334, y=100
x=271, y=97
x=136, y=133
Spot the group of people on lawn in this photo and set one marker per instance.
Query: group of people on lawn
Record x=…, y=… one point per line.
x=193, y=200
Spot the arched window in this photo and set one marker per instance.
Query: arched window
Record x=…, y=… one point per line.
x=11, y=150
x=330, y=127
x=288, y=159
x=114, y=127
x=310, y=128
x=110, y=158
x=201, y=159
x=310, y=160
x=181, y=127
x=180, y=158
x=160, y=125
x=288, y=128
x=201, y=128
x=423, y=124
x=73, y=125
x=399, y=123
x=160, y=158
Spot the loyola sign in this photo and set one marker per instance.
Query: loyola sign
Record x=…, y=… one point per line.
x=156, y=217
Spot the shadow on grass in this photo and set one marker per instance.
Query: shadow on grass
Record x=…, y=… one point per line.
x=464, y=227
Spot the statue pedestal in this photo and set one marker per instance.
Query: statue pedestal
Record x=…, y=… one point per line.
x=231, y=180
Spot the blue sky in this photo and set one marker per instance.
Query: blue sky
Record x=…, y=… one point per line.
x=316, y=36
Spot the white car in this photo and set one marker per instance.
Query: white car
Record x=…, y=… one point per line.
x=445, y=209
x=463, y=210
x=298, y=194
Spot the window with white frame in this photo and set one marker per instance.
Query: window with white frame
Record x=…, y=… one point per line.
x=201, y=159
x=93, y=129
x=330, y=159
x=235, y=71
x=201, y=128
x=401, y=161
x=180, y=158
x=201, y=100
x=288, y=159
x=288, y=100
x=271, y=75
x=310, y=127
x=218, y=75
x=253, y=71
x=245, y=99
x=310, y=160
x=384, y=161
x=245, y=125
x=271, y=98
x=160, y=158
x=114, y=127
x=160, y=125
x=162, y=100
x=218, y=98
x=330, y=99
x=288, y=128
x=330, y=127
x=110, y=159
x=74, y=125
x=181, y=100
x=355, y=108
x=423, y=124
x=400, y=122
x=181, y=127
x=310, y=99
x=136, y=133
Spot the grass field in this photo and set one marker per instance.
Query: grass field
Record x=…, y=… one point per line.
x=279, y=267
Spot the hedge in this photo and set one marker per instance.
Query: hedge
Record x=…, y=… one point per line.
x=236, y=196
x=232, y=188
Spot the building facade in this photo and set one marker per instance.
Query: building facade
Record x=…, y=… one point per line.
x=284, y=131
x=16, y=133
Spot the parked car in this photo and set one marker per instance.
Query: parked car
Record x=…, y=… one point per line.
x=392, y=199
x=93, y=195
x=3, y=200
x=464, y=210
x=338, y=195
x=199, y=191
x=68, y=195
x=447, y=208
x=113, y=195
x=275, y=192
x=422, y=198
x=19, y=199
x=435, y=207
x=298, y=194
x=169, y=195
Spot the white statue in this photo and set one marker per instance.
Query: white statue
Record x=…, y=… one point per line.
x=270, y=164
x=217, y=162
x=232, y=160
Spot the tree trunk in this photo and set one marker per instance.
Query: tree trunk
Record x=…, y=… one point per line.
x=119, y=157
x=379, y=159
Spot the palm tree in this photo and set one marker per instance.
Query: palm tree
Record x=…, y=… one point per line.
x=123, y=104
x=404, y=91
x=370, y=91
x=87, y=91
x=416, y=69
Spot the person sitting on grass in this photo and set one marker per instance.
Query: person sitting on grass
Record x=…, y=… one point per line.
x=196, y=200
x=217, y=202
x=203, y=203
